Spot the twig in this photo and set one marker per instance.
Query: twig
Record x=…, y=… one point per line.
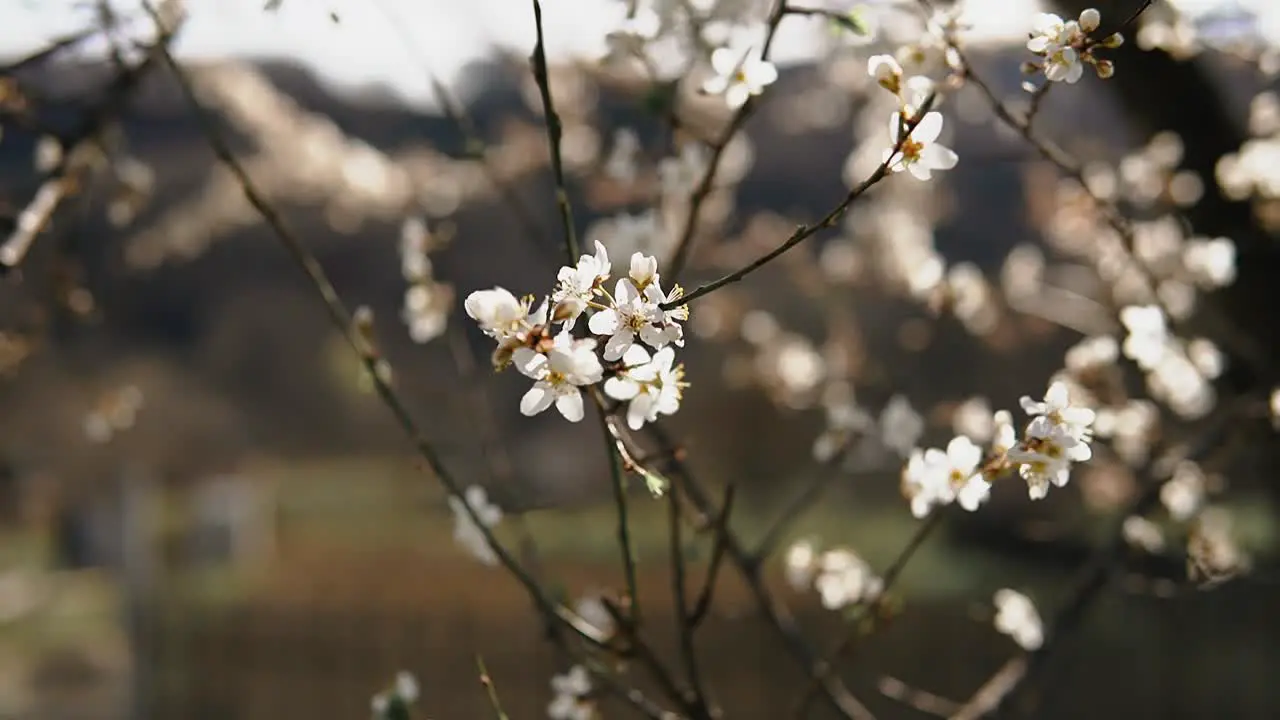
x=922, y=700
x=619, y=485
x=343, y=319
x=775, y=612
x=808, y=495
x=1093, y=577
x=888, y=580
x=684, y=245
x=490, y=690
x=702, y=605
x=804, y=232
x=699, y=707
x=457, y=114
x=540, y=75
x=64, y=178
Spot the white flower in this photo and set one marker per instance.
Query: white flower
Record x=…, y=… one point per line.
x=653, y=386
x=1058, y=435
x=667, y=328
x=934, y=477
x=426, y=310
x=1143, y=534
x=886, y=71
x=919, y=153
x=575, y=285
x=498, y=313
x=1056, y=409
x=1090, y=19
x=644, y=270
x=465, y=531
x=1184, y=493
x=592, y=610
x=1016, y=617
x=845, y=579
x=900, y=425
x=629, y=316
x=1212, y=263
x=1147, y=343
x=739, y=75
x=1053, y=38
x=569, y=364
x=1049, y=32
x=406, y=687
x=799, y=564
x=570, y=701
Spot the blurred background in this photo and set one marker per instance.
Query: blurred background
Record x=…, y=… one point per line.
x=206, y=513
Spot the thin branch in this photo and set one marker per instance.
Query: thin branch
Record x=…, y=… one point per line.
x=888, y=580
x=702, y=605
x=775, y=612
x=618, y=482
x=684, y=626
x=1094, y=576
x=457, y=114
x=62, y=181
x=343, y=319
x=804, y=232
x=684, y=245
x=540, y=75
x=492, y=692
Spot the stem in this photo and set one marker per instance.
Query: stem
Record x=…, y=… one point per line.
x=490, y=690
x=541, y=76
x=804, y=232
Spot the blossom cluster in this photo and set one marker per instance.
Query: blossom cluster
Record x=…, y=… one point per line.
x=840, y=577
x=628, y=347
x=1065, y=46
x=1057, y=436
x=572, y=696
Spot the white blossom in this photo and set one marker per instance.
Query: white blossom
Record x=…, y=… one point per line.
x=569, y=364
x=844, y=579
x=799, y=564
x=576, y=285
x=1148, y=340
x=1016, y=617
x=629, y=317
x=500, y=314
x=919, y=153
x=651, y=386
x=570, y=701
x=466, y=532
x=740, y=74
x=935, y=477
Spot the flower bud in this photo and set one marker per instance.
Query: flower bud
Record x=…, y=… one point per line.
x=1113, y=40
x=1090, y=19
x=1105, y=68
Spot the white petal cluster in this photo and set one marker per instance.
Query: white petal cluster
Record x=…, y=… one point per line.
x=394, y=701
x=918, y=151
x=571, y=698
x=1057, y=436
x=1016, y=616
x=466, y=532
x=1065, y=46
x=629, y=348
x=740, y=74
x=427, y=302
x=936, y=477
x=840, y=576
